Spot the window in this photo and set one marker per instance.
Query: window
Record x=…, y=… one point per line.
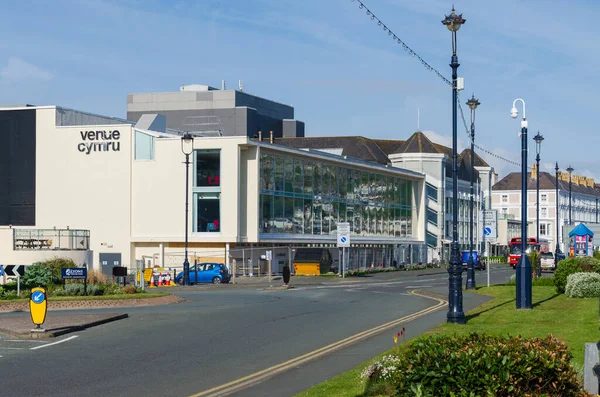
x=542, y=229
x=207, y=191
x=432, y=192
x=544, y=212
x=432, y=216
x=504, y=211
x=544, y=197
x=505, y=198
x=144, y=146
x=208, y=168
x=431, y=239
x=208, y=214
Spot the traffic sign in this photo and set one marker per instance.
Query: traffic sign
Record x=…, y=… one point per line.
x=1, y=270
x=490, y=223
x=38, y=306
x=14, y=270
x=343, y=234
x=269, y=255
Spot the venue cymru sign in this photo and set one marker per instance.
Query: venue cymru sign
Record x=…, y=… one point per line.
x=99, y=141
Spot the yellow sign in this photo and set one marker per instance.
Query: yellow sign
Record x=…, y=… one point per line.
x=38, y=305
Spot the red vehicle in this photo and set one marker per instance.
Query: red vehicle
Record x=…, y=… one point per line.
x=515, y=249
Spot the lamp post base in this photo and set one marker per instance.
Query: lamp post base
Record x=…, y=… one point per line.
x=470, y=274
x=455, y=298
x=186, y=272
x=524, y=283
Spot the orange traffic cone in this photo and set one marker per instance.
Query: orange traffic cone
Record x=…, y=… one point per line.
x=152, y=281
x=160, y=280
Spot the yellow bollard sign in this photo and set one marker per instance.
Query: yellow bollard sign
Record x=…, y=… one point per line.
x=38, y=306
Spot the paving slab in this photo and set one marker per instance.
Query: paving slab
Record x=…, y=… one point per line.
x=55, y=325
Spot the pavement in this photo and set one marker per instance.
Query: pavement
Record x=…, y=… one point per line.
x=21, y=326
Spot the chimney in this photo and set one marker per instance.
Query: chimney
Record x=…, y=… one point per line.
x=534, y=171
x=271, y=136
x=260, y=136
x=241, y=85
x=223, y=85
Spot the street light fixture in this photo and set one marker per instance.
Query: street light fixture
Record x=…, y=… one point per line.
x=538, y=147
x=472, y=103
x=557, y=218
x=455, y=298
x=524, y=266
x=570, y=171
x=187, y=147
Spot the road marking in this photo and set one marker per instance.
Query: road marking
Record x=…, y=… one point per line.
x=242, y=383
x=11, y=348
x=55, y=343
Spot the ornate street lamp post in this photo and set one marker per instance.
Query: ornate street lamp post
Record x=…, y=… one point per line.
x=187, y=147
x=472, y=103
x=557, y=218
x=538, y=147
x=524, y=266
x=455, y=299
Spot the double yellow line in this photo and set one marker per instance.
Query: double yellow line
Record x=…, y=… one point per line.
x=260, y=376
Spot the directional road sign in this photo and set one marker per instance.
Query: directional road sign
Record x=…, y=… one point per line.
x=487, y=231
x=14, y=270
x=490, y=221
x=343, y=234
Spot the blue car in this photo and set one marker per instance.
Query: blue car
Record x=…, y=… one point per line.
x=207, y=272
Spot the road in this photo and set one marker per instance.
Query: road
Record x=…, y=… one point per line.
x=222, y=334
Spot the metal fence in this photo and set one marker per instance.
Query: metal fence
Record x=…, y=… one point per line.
x=51, y=239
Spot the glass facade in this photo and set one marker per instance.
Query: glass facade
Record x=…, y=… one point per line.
x=300, y=196
x=206, y=191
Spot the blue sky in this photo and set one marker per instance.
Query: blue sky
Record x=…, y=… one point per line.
x=340, y=71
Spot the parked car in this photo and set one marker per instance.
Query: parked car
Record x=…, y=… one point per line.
x=478, y=264
x=547, y=261
x=207, y=272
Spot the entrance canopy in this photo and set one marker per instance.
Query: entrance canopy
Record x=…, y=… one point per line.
x=581, y=230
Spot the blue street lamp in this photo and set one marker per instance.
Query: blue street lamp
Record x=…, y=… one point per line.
x=187, y=147
x=455, y=298
x=472, y=103
x=538, y=147
x=524, y=265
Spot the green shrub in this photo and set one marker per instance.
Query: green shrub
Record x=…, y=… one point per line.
x=535, y=259
x=11, y=285
x=589, y=264
x=583, y=285
x=9, y=295
x=56, y=265
x=69, y=290
x=476, y=365
x=563, y=270
x=37, y=274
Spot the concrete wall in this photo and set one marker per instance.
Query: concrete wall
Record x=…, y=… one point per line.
x=84, y=185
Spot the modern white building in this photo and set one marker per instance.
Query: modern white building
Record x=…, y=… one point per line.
x=506, y=199
x=110, y=192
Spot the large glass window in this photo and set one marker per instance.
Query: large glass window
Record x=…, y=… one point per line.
x=144, y=146
x=208, y=167
x=208, y=212
x=307, y=197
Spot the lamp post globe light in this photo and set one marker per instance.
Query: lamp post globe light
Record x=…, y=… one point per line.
x=187, y=147
x=538, y=147
x=570, y=171
x=524, y=266
x=455, y=298
x=472, y=103
x=557, y=219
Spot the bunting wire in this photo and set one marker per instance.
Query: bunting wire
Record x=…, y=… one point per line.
x=430, y=68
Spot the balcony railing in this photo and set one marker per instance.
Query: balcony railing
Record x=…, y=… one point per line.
x=51, y=239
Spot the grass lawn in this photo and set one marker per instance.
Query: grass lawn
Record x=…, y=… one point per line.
x=92, y=298
x=575, y=321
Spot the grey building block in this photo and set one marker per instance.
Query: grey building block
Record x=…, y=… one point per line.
x=590, y=380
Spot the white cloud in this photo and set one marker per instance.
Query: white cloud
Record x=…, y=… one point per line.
x=17, y=70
